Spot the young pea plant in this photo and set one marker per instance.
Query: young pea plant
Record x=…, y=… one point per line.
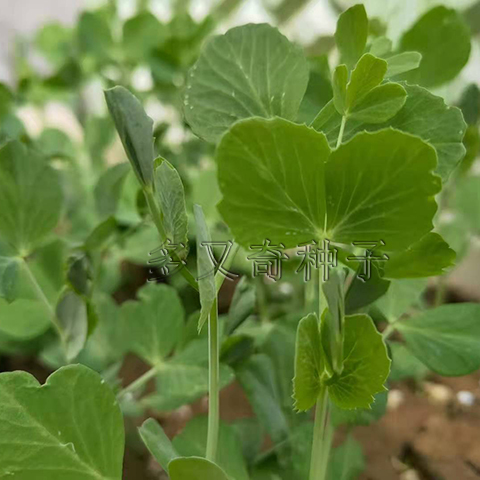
x=351, y=183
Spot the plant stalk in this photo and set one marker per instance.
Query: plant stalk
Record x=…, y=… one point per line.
x=139, y=382
x=213, y=383
x=342, y=130
x=317, y=461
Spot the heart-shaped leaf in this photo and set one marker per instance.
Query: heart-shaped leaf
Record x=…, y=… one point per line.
x=70, y=428
x=252, y=70
x=195, y=468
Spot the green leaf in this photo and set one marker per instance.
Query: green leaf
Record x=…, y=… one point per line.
x=339, y=83
x=428, y=257
x=242, y=305
x=141, y=34
x=24, y=319
x=309, y=364
x=135, y=130
x=351, y=34
x=405, y=365
x=109, y=189
x=70, y=428
x=72, y=316
x=195, y=468
x=157, y=442
x=381, y=46
x=192, y=440
x=380, y=104
x=366, y=365
x=94, y=36
x=280, y=196
x=361, y=416
x=30, y=195
x=8, y=277
x=380, y=186
x=445, y=338
x=367, y=75
x=445, y=49
x=171, y=196
x=402, y=295
x=206, y=272
x=347, y=461
x=424, y=115
x=256, y=378
x=100, y=235
x=251, y=71
x=402, y=63
x=153, y=324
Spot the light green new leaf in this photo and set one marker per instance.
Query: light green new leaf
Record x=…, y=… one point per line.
x=339, y=84
x=205, y=268
x=171, y=196
x=157, y=442
x=347, y=461
x=68, y=429
x=446, y=338
x=242, y=305
x=366, y=365
x=8, y=277
x=423, y=114
x=428, y=257
x=24, y=319
x=195, y=468
x=380, y=104
x=108, y=189
x=94, y=36
x=141, y=34
x=309, y=365
x=271, y=174
x=405, y=365
x=351, y=34
x=360, y=416
x=402, y=63
x=31, y=197
x=134, y=128
x=402, y=294
x=153, y=324
x=72, y=316
x=380, y=186
x=467, y=201
x=381, y=46
x=192, y=441
x=367, y=75
x=252, y=70
x=443, y=38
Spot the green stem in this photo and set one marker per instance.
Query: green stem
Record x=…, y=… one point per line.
x=139, y=382
x=388, y=331
x=318, y=447
x=213, y=383
x=342, y=130
x=158, y=221
x=42, y=297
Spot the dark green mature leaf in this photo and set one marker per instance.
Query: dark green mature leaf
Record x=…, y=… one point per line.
x=366, y=365
x=428, y=257
x=206, y=271
x=309, y=364
x=443, y=38
x=360, y=416
x=405, y=365
x=192, y=441
x=347, y=461
x=195, y=468
x=367, y=75
x=351, y=34
x=281, y=193
x=24, y=319
x=153, y=324
x=70, y=428
x=100, y=235
x=8, y=276
x=94, y=36
x=380, y=104
x=470, y=104
x=402, y=63
x=423, y=114
x=171, y=196
x=72, y=316
x=30, y=195
x=242, y=305
x=446, y=338
x=252, y=70
x=157, y=442
x=135, y=130
x=380, y=186
x=256, y=378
